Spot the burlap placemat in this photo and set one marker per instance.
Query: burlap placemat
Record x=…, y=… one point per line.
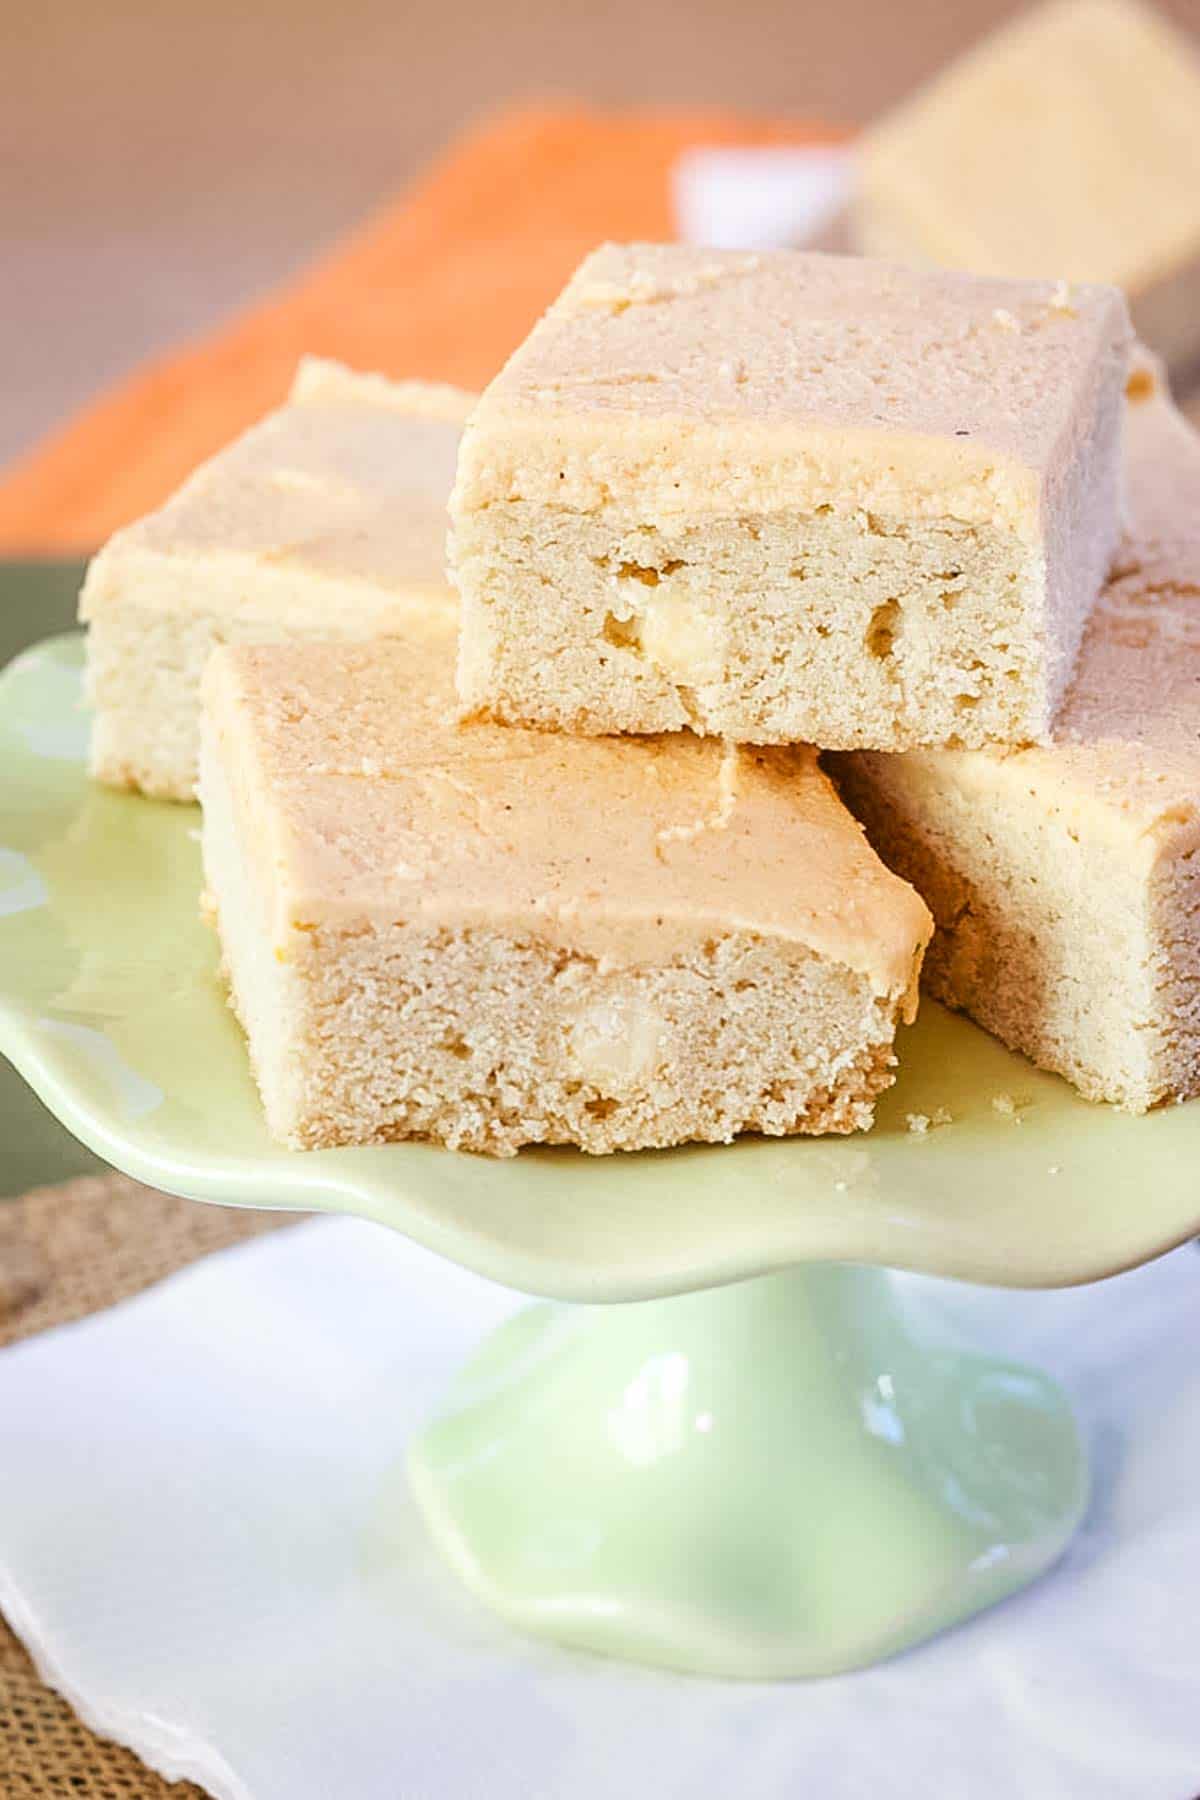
x=65, y=1252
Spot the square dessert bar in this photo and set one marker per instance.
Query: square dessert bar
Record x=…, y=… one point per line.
x=493, y=938
x=1067, y=145
x=1065, y=881
x=790, y=497
x=327, y=519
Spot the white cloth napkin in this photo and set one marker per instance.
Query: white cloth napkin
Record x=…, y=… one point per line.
x=758, y=199
x=207, y=1542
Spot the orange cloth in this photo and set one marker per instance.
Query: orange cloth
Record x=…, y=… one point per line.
x=442, y=283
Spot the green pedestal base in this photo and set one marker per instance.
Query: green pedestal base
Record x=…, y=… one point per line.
x=780, y=1478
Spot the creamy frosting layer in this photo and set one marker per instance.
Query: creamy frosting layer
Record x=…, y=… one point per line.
x=676, y=380
x=337, y=498
x=1125, y=760
x=363, y=800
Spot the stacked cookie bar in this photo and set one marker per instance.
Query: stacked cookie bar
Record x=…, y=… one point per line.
x=790, y=498
x=562, y=865
x=1065, y=877
x=327, y=520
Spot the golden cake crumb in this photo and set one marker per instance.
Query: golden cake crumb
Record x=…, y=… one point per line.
x=924, y=1122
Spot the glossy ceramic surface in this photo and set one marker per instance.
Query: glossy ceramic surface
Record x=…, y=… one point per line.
x=111, y=1008
x=780, y=1478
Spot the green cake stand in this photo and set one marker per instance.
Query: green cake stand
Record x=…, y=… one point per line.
x=729, y=1443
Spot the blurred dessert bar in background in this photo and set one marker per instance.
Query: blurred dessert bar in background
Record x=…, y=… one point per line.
x=327, y=519
x=490, y=937
x=1066, y=145
x=785, y=497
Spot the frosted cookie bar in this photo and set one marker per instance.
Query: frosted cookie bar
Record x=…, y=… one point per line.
x=789, y=497
x=1065, y=881
x=493, y=938
x=1066, y=145
x=327, y=519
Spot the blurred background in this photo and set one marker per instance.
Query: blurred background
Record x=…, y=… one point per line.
x=162, y=163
